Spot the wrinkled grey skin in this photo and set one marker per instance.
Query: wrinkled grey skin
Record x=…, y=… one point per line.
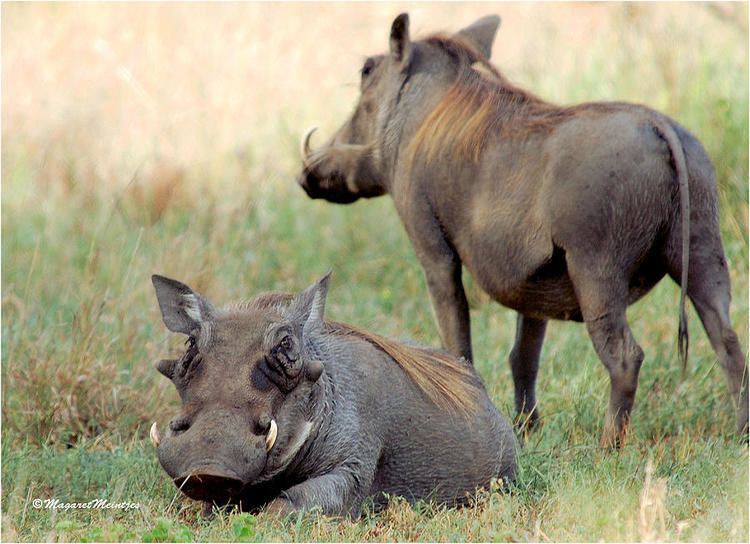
x=575, y=222
x=351, y=424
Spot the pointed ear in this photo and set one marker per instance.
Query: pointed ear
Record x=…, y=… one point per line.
x=308, y=308
x=482, y=33
x=182, y=309
x=400, y=42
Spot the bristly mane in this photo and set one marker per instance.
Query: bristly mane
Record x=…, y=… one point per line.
x=480, y=103
x=445, y=380
x=265, y=301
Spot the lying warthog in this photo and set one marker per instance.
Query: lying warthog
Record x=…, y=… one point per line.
x=284, y=408
x=558, y=212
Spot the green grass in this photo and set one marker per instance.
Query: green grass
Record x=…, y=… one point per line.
x=81, y=331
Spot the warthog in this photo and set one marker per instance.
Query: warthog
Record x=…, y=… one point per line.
x=558, y=212
x=285, y=410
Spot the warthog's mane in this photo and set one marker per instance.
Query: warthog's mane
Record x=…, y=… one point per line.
x=481, y=103
x=445, y=380
x=265, y=301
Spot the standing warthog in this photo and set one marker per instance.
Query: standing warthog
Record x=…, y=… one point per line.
x=558, y=212
x=281, y=407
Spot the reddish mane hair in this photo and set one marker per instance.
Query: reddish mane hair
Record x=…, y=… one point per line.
x=480, y=103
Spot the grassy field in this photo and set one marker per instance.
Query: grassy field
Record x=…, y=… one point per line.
x=162, y=138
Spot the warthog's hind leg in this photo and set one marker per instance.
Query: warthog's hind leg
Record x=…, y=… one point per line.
x=621, y=354
x=603, y=301
x=709, y=291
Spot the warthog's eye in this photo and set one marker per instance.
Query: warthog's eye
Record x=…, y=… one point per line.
x=286, y=343
x=367, y=68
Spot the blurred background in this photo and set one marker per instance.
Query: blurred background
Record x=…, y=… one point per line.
x=94, y=93
x=163, y=137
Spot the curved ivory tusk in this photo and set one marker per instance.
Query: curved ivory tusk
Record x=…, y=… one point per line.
x=271, y=436
x=154, y=435
x=305, y=144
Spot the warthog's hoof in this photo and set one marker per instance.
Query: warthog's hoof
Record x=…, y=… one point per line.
x=280, y=507
x=527, y=422
x=208, y=510
x=613, y=437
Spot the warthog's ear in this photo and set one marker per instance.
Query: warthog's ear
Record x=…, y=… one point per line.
x=400, y=42
x=307, y=308
x=182, y=309
x=304, y=316
x=482, y=33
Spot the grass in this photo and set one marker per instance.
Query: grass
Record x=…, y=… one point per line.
x=95, y=203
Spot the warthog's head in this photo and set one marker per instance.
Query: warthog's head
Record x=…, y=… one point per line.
x=397, y=91
x=248, y=388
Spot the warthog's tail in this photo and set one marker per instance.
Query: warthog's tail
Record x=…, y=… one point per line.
x=445, y=380
x=678, y=158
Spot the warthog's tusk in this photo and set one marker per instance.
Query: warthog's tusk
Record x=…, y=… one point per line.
x=305, y=144
x=271, y=437
x=154, y=435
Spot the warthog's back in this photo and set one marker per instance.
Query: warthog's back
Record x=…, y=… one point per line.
x=426, y=449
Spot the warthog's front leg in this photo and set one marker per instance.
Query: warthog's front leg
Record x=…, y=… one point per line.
x=442, y=270
x=336, y=493
x=451, y=309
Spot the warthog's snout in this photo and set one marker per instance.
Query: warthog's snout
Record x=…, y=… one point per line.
x=309, y=183
x=330, y=187
x=317, y=178
x=211, y=483
x=208, y=459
